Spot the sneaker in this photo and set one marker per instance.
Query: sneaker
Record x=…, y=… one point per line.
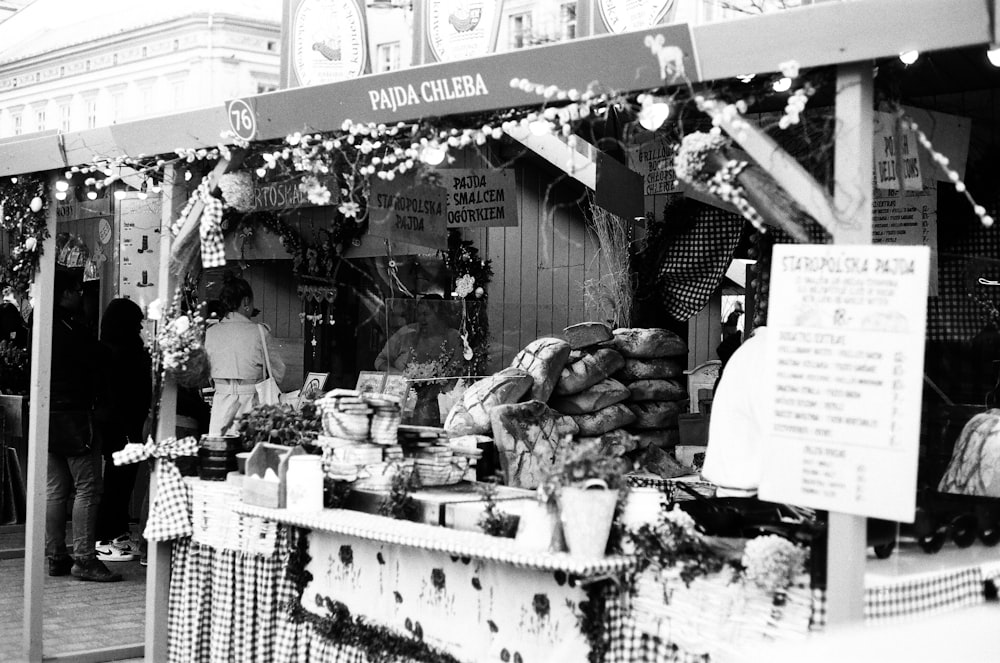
x=120, y=549
x=60, y=566
x=94, y=569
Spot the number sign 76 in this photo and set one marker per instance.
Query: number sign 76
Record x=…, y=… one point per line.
x=242, y=119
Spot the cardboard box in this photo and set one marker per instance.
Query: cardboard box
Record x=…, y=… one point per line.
x=257, y=491
x=449, y=506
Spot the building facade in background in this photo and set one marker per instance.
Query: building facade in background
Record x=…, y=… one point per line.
x=68, y=65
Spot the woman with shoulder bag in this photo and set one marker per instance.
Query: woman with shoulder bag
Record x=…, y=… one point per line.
x=241, y=354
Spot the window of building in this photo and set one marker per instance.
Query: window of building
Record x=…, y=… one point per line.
x=16, y=125
x=40, y=120
x=272, y=46
x=146, y=99
x=145, y=51
x=387, y=56
x=91, y=113
x=64, y=117
x=117, y=106
x=519, y=30
x=263, y=87
x=178, y=92
x=567, y=20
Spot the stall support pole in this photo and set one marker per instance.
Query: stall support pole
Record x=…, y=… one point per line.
x=158, y=572
x=846, y=535
x=38, y=439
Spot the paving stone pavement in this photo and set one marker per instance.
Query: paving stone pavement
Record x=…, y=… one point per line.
x=78, y=615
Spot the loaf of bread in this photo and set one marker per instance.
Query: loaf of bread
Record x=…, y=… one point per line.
x=602, y=421
x=616, y=442
x=665, y=438
x=543, y=359
x=661, y=463
x=471, y=414
x=655, y=414
x=657, y=390
x=597, y=397
x=529, y=436
x=586, y=334
x=649, y=369
x=588, y=371
x=640, y=343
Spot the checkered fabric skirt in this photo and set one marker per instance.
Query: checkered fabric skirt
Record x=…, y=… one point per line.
x=225, y=605
x=301, y=642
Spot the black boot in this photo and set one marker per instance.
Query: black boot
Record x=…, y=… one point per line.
x=92, y=568
x=60, y=566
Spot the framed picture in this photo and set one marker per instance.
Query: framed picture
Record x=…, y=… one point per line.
x=370, y=382
x=313, y=383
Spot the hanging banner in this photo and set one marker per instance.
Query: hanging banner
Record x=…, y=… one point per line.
x=624, y=15
x=324, y=41
x=408, y=211
x=287, y=193
x=844, y=378
x=480, y=198
x=139, y=249
x=461, y=29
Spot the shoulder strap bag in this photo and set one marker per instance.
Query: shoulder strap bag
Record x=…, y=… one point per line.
x=268, y=392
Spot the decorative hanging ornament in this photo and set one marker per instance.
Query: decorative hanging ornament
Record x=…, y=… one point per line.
x=35, y=205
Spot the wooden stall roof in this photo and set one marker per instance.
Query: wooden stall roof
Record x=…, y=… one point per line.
x=814, y=35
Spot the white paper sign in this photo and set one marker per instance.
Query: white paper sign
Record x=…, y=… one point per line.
x=844, y=377
x=139, y=250
x=908, y=218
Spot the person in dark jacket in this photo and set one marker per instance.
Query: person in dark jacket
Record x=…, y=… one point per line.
x=12, y=327
x=129, y=392
x=74, y=458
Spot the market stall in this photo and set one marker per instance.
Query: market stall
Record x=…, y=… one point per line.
x=550, y=367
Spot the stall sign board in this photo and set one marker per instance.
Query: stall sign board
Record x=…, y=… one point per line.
x=480, y=198
x=845, y=349
x=288, y=193
x=461, y=30
x=895, y=151
x=624, y=15
x=908, y=218
x=325, y=41
x=409, y=211
x=654, y=160
x=139, y=250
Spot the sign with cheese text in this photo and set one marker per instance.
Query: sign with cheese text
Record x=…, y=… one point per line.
x=406, y=210
x=654, y=160
x=480, y=198
x=844, y=378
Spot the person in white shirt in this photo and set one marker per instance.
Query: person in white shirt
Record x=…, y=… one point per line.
x=236, y=354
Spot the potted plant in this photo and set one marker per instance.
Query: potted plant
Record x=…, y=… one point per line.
x=279, y=424
x=587, y=484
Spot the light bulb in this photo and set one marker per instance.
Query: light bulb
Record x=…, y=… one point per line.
x=142, y=195
x=909, y=57
x=539, y=127
x=156, y=188
x=60, y=195
x=62, y=185
x=783, y=84
x=653, y=115
x=432, y=155
x=92, y=195
x=120, y=194
x=994, y=55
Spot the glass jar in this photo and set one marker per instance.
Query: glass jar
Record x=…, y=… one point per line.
x=304, y=483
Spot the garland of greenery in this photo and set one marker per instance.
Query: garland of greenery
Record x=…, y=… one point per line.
x=463, y=261
x=379, y=644
x=591, y=619
x=24, y=201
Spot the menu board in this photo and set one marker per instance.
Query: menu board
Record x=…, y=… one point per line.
x=408, y=211
x=908, y=218
x=845, y=348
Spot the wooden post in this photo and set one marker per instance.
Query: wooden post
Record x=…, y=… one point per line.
x=846, y=535
x=158, y=573
x=38, y=438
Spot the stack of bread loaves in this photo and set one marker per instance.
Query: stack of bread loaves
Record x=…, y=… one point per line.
x=653, y=371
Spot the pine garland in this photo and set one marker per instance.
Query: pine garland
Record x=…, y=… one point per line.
x=24, y=202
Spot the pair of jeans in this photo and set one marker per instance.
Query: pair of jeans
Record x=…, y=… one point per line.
x=81, y=474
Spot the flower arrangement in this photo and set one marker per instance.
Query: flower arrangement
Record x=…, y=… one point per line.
x=23, y=220
x=237, y=190
x=493, y=521
x=582, y=464
x=279, y=424
x=773, y=562
x=675, y=544
x=180, y=346
x=15, y=369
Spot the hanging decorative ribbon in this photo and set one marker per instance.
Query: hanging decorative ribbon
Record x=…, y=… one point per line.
x=213, y=249
x=170, y=513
